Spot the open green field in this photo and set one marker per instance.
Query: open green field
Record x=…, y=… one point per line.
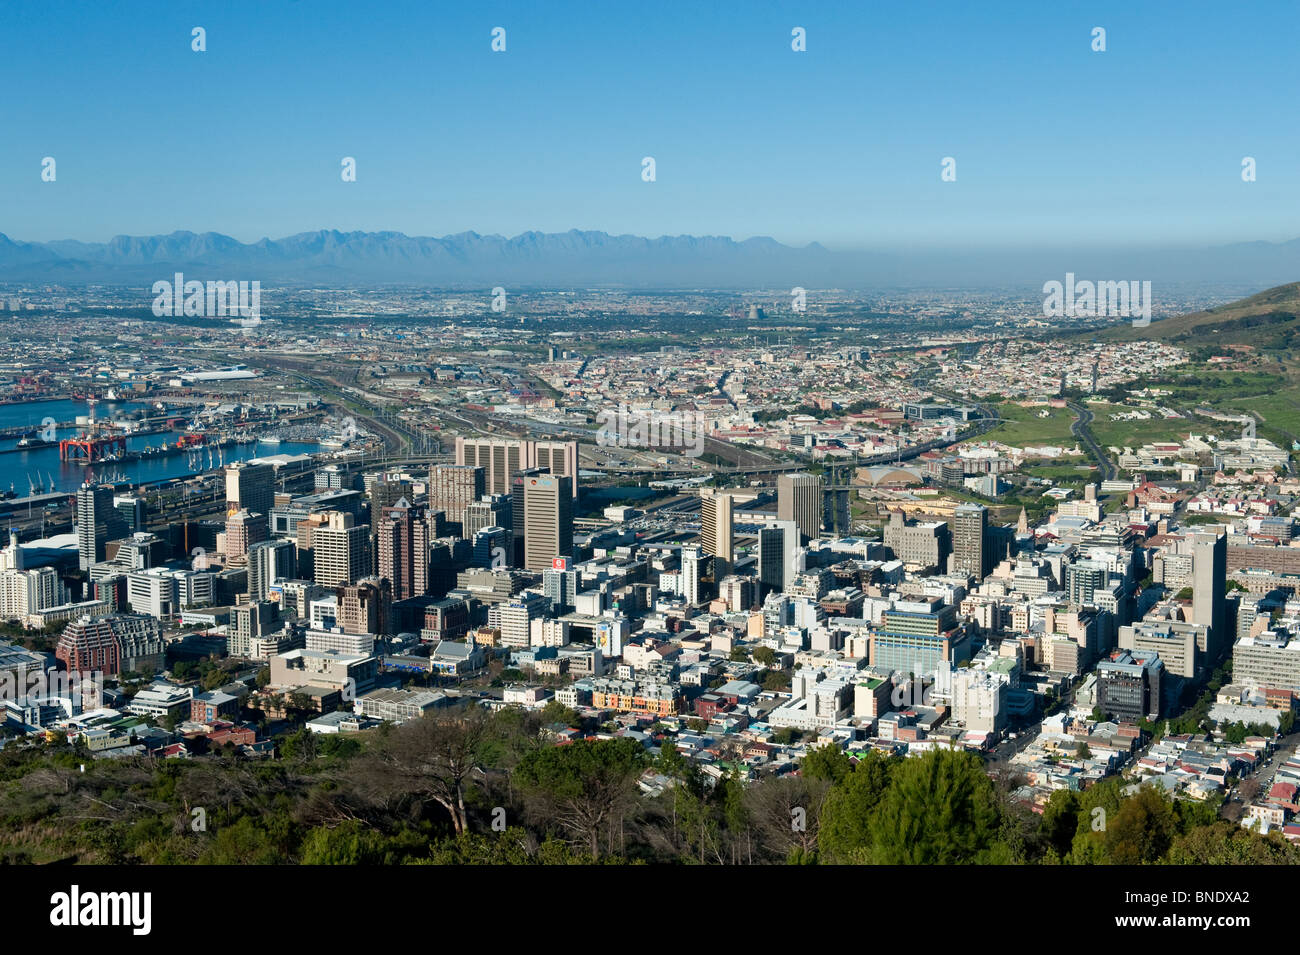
x=1067, y=471
x=1023, y=426
x=1134, y=434
x=1278, y=413
x=1200, y=384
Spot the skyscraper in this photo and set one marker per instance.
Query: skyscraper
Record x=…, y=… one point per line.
x=98, y=522
x=691, y=558
x=340, y=550
x=560, y=584
x=548, y=520
x=250, y=487
x=503, y=458
x=837, y=518
x=269, y=561
x=517, y=526
x=558, y=457
x=970, y=526
x=1209, y=580
x=132, y=509
x=716, y=529
x=244, y=529
x=778, y=546
x=492, y=510
x=799, y=499
x=452, y=489
x=364, y=607
x=385, y=492
x=402, y=545
x=491, y=543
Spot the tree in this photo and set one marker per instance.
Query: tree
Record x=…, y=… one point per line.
x=556, y=712
x=431, y=758
x=515, y=846
x=940, y=808
x=584, y=787
x=1060, y=821
x=845, y=823
x=348, y=844
x=1223, y=843
x=786, y=811
x=1143, y=829
x=764, y=655
x=777, y=680
x=827, y=762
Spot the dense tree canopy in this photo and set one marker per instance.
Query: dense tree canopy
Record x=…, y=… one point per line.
x=465, y=786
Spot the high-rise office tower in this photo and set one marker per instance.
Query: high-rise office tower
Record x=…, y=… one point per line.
x=133, y=511
x=384, y=491
x=340, y=550
x=1209, y=580
x=558, y=457
x=716, y=537
x=778, y=547
x=691, y=573
x=837, y=516
x=244, y=529
x=969, y=531
x=250, y=487
x=304, y=535
x=503, y=458
x=269, y=561
x=560, y=584
x=548, y=520
x=402, y=545
x=1083, y=579
x=365, y=607
x=516, y=525
x=98, y=522
x=452, y=489
x=492, y=510
x=799, y=499
x=492, y=547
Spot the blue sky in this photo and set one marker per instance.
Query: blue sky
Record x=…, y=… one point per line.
x=1055, y=144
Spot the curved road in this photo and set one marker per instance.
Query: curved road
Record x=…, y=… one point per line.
x=1079, y=429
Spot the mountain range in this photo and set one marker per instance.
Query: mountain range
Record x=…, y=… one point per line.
x=589, y=258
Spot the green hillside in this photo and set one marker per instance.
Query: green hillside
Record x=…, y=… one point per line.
x=1269, y=321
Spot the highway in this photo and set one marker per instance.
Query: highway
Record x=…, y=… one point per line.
x=1079, y=429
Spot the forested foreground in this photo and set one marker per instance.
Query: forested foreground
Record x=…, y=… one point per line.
x=469, y=787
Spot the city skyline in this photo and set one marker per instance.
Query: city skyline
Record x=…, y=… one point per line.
x=689, y=435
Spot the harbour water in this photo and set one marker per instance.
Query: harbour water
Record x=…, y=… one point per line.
x=21, y=470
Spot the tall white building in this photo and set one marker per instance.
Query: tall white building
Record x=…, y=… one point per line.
x=30, y=591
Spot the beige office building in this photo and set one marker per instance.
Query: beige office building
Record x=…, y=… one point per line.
x=548, y=520
x=716, y=528
x=502, y=458
x=799, y=499
x=340, y=550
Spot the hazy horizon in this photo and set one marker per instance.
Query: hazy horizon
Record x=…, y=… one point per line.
x=841, y=144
